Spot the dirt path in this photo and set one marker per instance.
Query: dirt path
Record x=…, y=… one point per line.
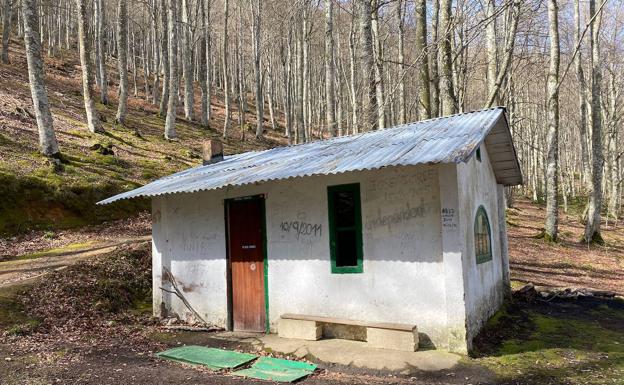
x=22, y=270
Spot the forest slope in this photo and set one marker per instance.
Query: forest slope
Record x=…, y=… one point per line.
x=36, y=196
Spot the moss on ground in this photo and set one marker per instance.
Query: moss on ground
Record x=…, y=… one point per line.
x=73, y=247
x=565, y=341
x=45, y=200
x=13, y=317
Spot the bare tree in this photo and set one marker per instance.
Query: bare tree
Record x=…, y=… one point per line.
x=378, y=60
x=401, y=58
x=164, y=53
x=435, y=73
x=155, y=50
x=256, y=35
x=204, y=60
x=122, y=60
x=172, y=103
x=424, y=97
x=47, y=140
x=187, y=61
x=100, y=55
x=7, y=12
x=224, y=63
x=330, y=97
x=580, y=76
x=447, y=91
x=352, y=73
x=492, y=51
x=369, y=94
x=552, y=157
x=497, y=75
x=84, y=42
x=592, y=227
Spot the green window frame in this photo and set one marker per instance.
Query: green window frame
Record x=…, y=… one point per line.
x=482, y=236
x=346, y=230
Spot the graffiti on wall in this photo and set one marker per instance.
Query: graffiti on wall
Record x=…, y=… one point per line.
x=301, y=228
x=404, y=214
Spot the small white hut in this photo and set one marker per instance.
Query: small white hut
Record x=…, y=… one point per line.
x=396, y=235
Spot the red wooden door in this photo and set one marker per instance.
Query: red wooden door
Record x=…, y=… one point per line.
x=246, y=250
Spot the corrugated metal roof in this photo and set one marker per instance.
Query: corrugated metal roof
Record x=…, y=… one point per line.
x=450, y=139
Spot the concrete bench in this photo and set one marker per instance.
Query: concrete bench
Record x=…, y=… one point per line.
x=375, y=334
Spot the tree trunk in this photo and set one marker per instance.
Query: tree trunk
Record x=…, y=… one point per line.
x=492, y=52
x=172, y=102
x=204, y=62
x=494, y=87
x=449, y=101
x=435, y=73
x=187, y=61
x=614, y=157
x=271, y=94
x=257, y=20
x=6, y=29
x=208, y=62
x=47, y=140
x=330, y=95
x=592, y=227
x=305, y=79
x=155, y=52
x=369, y=93
x=424, y=104
x=135, y=67
x=101, y=50
x=93, y=121
x=379, y=80
x=401, y=58
x=122, y=60
x=226, y=87
x=580, y=76
x=353, y=77
x=552, y=154
x=164, y=53
x=299, y=122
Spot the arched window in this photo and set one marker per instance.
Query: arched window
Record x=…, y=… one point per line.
x=482, y=236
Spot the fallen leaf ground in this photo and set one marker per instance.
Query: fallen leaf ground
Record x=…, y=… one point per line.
x=567, y=263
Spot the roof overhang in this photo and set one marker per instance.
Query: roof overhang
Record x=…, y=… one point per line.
x=502, y=153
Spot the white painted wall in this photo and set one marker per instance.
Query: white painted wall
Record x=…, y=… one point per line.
x=407, y=278
x=402, y=279
x=483, y=282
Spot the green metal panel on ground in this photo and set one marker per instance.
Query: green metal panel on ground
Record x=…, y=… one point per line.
x=275, y=369
x=215, y=359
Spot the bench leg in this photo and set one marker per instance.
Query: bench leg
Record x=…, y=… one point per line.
x=392, y=339
x=303, y=330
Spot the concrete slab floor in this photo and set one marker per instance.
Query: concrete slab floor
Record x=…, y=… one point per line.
x=350, y=353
